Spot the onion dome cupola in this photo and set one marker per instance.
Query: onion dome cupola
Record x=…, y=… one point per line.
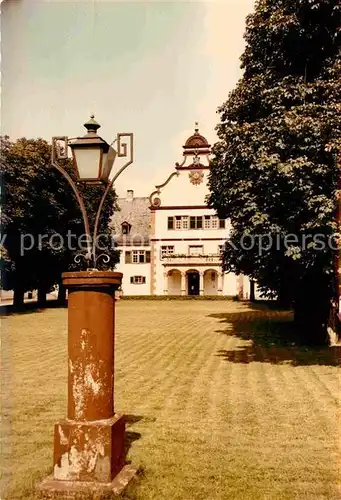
x=196, y=144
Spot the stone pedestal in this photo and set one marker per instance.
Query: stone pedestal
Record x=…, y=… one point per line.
x=88, y=451
x=89, y=444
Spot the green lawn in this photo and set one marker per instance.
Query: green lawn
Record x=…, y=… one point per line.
x=218, y=406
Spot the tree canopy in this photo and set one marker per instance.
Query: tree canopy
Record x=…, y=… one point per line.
x=274, y=170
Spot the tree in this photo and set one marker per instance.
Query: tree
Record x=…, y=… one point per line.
x=274, y=170
x=39, y=210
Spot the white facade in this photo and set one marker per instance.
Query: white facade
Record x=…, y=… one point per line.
x=182, y=248
x=136, y=276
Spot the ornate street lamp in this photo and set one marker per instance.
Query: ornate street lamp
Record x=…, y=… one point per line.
x=88, y=456
x=93, y=159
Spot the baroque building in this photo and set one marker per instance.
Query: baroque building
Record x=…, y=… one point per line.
x=171, y=242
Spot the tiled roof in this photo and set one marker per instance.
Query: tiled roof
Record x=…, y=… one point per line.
x=136, y=212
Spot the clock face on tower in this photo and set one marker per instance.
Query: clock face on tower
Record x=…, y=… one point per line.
x=196, y=177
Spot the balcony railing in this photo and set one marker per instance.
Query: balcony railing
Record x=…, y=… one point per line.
x=191, y=259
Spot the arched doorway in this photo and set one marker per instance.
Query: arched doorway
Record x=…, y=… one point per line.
x=210, y=282
x=193, y=282
x=174, y=282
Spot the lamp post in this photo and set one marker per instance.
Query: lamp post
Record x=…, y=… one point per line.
x=88, y=452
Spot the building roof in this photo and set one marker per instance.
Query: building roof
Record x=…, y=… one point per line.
x=196, y=142
x=135, y=211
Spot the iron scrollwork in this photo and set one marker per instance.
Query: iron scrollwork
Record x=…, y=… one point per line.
x=59, y=152
x=59, y=148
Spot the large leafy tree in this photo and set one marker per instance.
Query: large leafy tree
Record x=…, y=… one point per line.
x=274, y=170
x=41, y=221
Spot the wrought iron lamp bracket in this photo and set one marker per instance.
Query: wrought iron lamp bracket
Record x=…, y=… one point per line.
x=60, y=152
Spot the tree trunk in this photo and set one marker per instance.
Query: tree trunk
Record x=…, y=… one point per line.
x=18, y=297
x=61, y=294
x=42, y=295
x=311, y=326
x=312, y=306
x=285, y=295
x=334, y=324
x=252, y=291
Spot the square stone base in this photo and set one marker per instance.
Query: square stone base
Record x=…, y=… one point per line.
x=53, y=489
x=88, y=451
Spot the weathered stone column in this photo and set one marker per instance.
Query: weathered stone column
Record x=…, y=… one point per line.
x=89, y=443
x=201, y=282
x=183, y=283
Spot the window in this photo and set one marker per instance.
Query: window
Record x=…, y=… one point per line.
x=195, y=250
x=220, y=249
x=178, y=222
x=137, y=280
x=137, y=257
x=184, y=220
x=125, y=227
x=167, y=250
x=214, y=222
x=140, y=256
x=195, y=222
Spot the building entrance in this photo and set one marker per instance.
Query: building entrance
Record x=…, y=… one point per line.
x=193, y=283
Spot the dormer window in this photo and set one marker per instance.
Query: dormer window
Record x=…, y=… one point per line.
x=126, y=227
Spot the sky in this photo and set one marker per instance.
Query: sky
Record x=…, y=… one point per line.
x=151, y=68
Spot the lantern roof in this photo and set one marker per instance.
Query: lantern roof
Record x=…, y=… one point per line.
x=91, y=125
x=91, y=138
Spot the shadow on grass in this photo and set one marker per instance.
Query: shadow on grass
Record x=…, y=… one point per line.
x=270, y=337
x=29, y=307
x=129, y=439
x=131, y=436
x=132, y=419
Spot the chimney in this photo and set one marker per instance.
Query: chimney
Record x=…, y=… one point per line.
x=130, y=194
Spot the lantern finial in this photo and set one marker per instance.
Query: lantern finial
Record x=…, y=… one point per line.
x=92, y=126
